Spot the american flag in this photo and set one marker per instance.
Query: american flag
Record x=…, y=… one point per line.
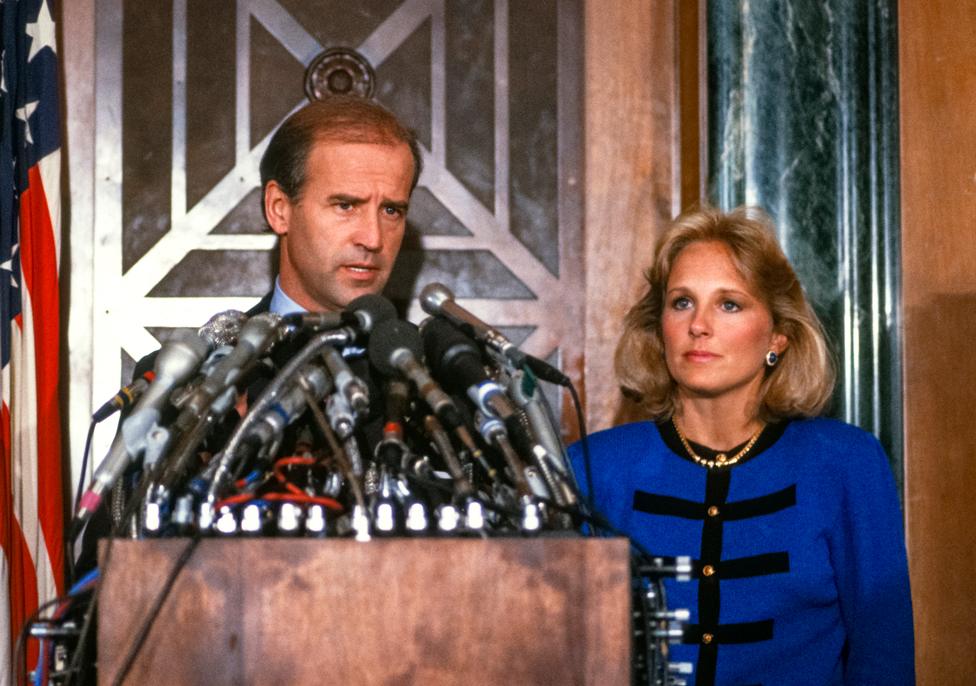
x=31, y=504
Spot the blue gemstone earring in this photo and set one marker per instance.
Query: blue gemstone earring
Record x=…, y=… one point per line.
x=771, y=358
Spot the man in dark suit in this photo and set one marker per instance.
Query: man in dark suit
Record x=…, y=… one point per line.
x=337, y=178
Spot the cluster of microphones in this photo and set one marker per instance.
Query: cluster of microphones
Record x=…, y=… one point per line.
x=463, y=440
x=354, y=424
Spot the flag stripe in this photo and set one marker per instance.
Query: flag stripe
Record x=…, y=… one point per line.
x=50, y=177
x=31, y=496
x=39, y=270
x=21, y=579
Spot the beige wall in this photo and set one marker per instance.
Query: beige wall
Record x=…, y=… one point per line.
x=633, y=181
x=937, y=82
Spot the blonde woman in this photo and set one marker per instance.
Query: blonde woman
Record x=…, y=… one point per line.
x=793, y=520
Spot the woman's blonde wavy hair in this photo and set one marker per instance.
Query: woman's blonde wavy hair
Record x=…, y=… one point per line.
x=801, y=383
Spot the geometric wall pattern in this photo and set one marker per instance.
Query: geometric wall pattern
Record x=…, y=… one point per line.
x=188, y=93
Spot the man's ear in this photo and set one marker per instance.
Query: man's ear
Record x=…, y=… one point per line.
x=277, y=208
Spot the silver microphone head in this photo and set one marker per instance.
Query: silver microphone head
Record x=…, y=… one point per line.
x=223, y=328
x=260, y=331
x=433, y=297
x=178, y=358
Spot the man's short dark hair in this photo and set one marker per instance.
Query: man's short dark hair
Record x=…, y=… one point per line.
x=340, y=118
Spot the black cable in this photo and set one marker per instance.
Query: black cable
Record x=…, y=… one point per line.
x=584, y=446
x=86, y=628
x=84, y=465
x=150, y=619
x=69, y=540
x=591, y=514
x=20, y=647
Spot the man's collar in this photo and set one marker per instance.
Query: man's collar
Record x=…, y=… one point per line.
x=281, y=303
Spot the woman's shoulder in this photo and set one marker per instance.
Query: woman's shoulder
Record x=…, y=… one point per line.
x=826, y=428
x=621, y=438
x=635, y=431
x=832, y=432
x=837, y=444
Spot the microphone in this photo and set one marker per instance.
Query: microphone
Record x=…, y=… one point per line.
x=395, y=349
x=442, y=442
x=438, y=299
x=223, y=328
x=311, y=383
x=362, y=313
x=255, y=337
x=552, y=460
x=368, y=310
x=353, y=391
x=125, y=398
x=494, y=433
x=176, y=362
x=456, y=360
x=391, y=449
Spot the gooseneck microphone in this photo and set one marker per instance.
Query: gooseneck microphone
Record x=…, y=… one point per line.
x=438, y=299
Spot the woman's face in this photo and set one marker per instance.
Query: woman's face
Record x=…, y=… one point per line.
x=716, y=330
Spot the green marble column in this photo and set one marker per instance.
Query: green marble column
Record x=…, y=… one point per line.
x=802, y=110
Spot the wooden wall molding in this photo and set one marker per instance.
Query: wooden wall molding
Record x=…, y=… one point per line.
x=632, y=168
x=937, y=84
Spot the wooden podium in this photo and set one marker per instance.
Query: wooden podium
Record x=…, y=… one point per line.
x=395, y=611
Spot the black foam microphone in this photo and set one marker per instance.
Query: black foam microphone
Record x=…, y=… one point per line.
x=371, y=309
x=362, y=313
x=456, y=360
x=438, y=299
x=395, y=349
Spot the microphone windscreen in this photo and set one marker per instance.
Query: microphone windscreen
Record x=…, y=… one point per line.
x=389, y=336
x=223, y=328
x=371, y=309
x=448, y=350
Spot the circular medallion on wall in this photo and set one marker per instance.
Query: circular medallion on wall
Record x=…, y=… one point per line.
x=339, y=71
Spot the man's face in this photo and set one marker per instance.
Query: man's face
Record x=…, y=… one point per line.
x=340, y=238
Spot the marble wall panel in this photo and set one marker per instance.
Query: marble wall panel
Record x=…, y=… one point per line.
x=803, y=122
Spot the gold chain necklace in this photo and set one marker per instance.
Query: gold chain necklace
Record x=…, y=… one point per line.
x=721, y=460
